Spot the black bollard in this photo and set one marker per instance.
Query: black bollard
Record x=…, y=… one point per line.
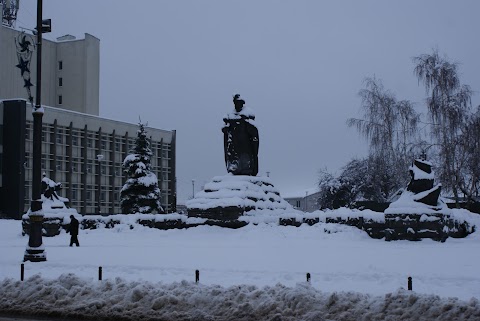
x=409, y=283
x=22, y=271
x=308, y=277
x=100, y=273
x=197, y=276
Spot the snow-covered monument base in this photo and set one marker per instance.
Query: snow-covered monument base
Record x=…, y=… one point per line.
x=420, y=212
x=55, y=211
x=226, y=198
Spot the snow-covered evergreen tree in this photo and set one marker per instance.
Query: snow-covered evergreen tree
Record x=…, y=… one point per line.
x=140, y=194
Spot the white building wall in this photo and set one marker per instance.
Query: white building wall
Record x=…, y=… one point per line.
x=80, y=73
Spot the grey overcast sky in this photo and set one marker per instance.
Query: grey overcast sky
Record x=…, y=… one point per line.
x=298, y=64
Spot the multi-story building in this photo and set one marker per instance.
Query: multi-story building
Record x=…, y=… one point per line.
x=70, y=71
x=83, y=152
x=79, y=149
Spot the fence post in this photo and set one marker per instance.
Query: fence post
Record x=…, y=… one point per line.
x=197, y=276
x=22, y=271
x=308, y=277
x=100, y=273
x=409, y=283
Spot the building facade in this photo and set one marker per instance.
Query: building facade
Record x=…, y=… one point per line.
x=70, y=71
x=83, y=152
x=306, y=203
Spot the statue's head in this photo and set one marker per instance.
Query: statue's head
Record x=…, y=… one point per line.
x=238, y=102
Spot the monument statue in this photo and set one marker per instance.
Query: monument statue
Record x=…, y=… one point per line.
x=240, y=140
x=421, y=183
x=241, y=192
x=50, y=188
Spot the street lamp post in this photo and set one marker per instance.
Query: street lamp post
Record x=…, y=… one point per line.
x=100, y=158
x=193, y=188
x=35, y=252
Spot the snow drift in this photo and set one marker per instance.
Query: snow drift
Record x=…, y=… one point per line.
x=71, y=296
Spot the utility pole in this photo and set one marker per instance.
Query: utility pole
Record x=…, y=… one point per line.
x=35, y=251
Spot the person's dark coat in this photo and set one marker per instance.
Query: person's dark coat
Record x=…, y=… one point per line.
x=73, y=229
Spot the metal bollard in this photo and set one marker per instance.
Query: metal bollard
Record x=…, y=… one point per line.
x=197, y=276
x=22, y=272
x=308, y=277
x=409, y=283
x=100, y=273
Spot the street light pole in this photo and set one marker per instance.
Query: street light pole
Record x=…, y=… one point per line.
x=100, y=158
x=193, y=188
x=35, y=251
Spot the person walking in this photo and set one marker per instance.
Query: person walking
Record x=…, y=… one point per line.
x=73, y=229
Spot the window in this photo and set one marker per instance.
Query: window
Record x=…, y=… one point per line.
x=60, y=99
x=60, y=65
x=104, y=144
x=59, y=163
x=59, y=136
x=27, y=132
x=27, y=160
x=74, y=140
x=103, y=196
x=89, y=168
x=60, y=82
x=298, y=204
x=89, y=195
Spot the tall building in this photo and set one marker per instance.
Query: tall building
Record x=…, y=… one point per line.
x=79, y=149
x=70, y=71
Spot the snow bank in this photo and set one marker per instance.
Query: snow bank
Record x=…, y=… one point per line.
x=74, y=297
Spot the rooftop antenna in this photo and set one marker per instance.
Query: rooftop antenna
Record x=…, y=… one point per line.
x=9, y=10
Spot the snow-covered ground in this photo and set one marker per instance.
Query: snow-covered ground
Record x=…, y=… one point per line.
x=255, y=272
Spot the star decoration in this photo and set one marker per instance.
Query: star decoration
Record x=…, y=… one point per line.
x=25, y=45
x=28, y=83
x=23, y=65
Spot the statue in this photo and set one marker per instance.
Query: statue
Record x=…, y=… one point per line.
x=240, y=140
x=421, y=183
x=241, y=192
x=50, y=188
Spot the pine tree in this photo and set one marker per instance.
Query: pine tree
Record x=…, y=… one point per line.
x=140, y=194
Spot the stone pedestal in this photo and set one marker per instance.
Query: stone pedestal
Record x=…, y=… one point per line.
x=414, y=227
x=54, y=212
x=226, y=198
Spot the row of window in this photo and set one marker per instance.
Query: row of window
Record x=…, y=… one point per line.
x=60, y=82
x=61, y=138
x=77, y=166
